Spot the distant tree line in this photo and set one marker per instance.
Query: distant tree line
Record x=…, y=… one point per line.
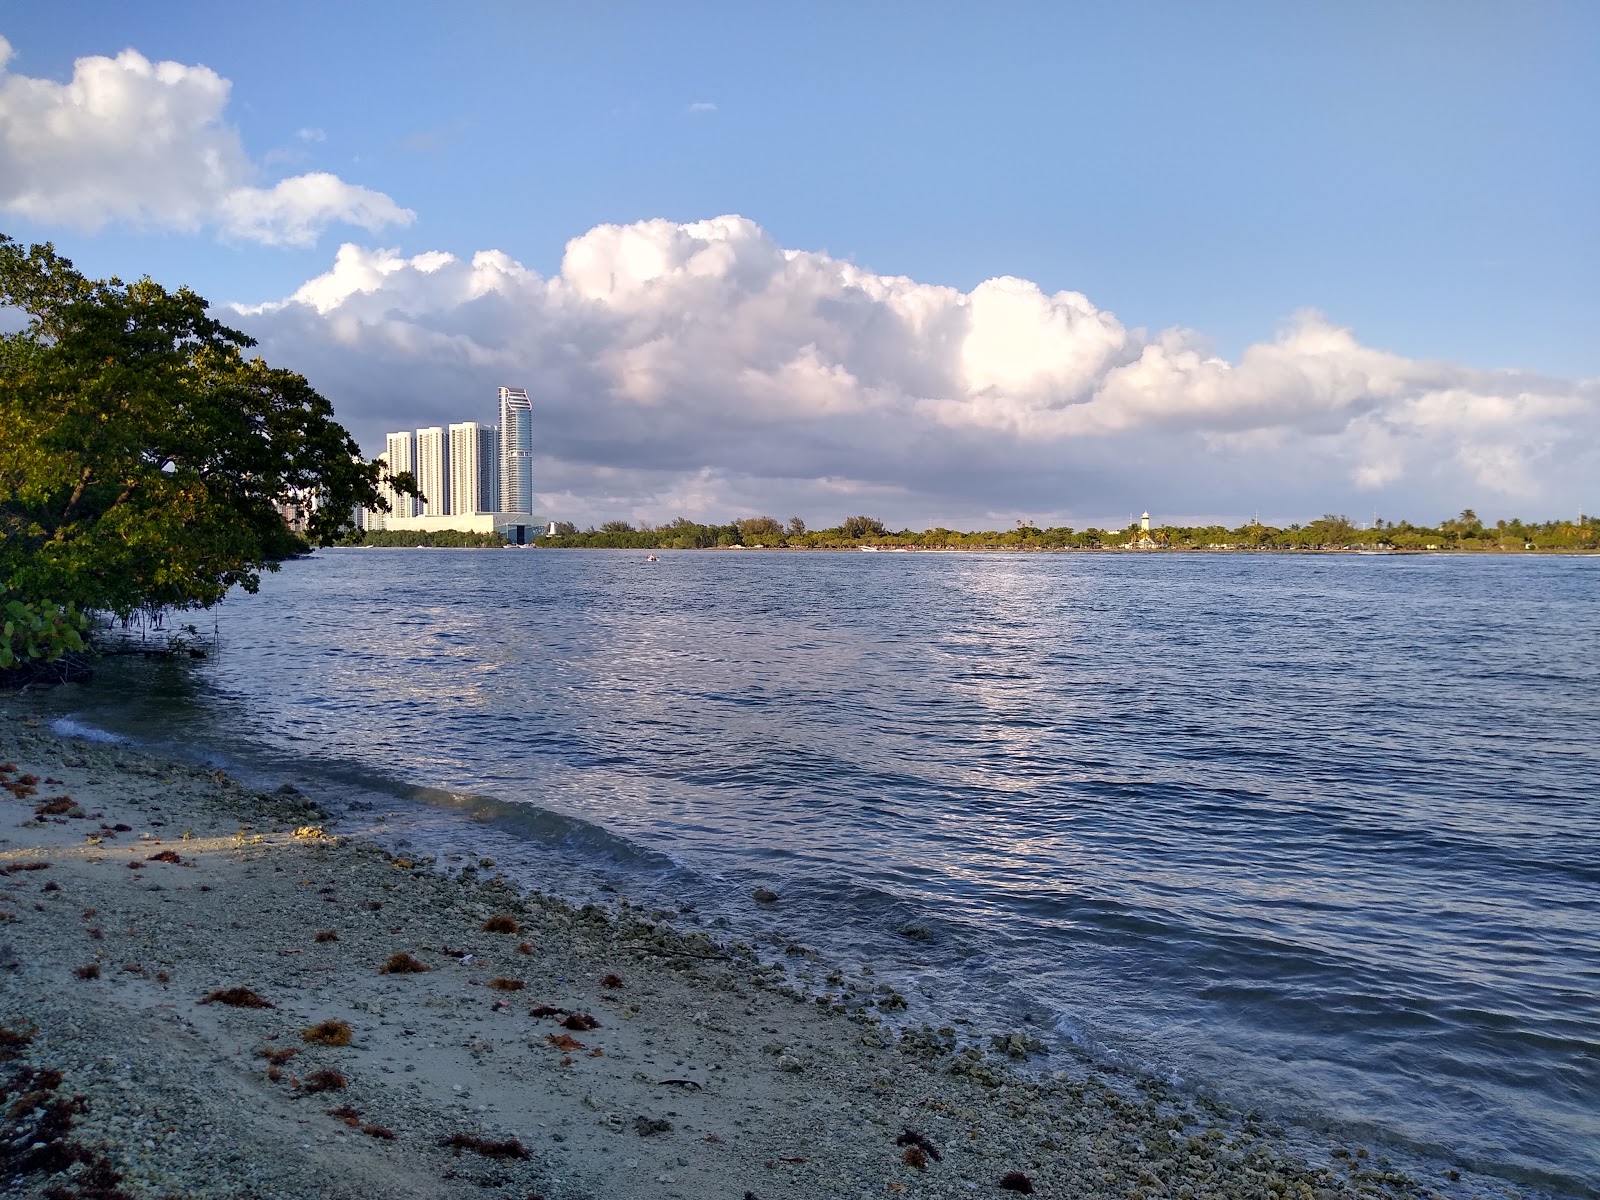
x=432, y=537
x=1464, y=532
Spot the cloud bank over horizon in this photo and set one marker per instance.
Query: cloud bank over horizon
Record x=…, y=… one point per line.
x=701, y=369
x=141, y=143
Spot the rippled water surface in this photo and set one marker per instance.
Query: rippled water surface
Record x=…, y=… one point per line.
x=1324, y=830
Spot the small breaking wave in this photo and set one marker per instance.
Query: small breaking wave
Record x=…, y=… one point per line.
x=74, y=728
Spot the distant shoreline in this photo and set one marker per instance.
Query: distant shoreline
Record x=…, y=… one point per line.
x=1329, y=534
x=1454, y=552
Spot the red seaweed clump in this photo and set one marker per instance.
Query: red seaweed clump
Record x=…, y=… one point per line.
x=403, y=964
x=237, y=997
x=510, y=1148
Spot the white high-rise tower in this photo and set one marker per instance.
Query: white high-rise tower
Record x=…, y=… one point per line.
x=433, y=471
x=401, y=455
x=474, y=468
x=374, y=518
x=516, y=451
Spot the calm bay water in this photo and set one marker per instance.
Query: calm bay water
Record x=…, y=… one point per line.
x=1317, y=834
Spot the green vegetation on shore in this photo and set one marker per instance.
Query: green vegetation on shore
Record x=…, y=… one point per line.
x=1462, y=533
x=38, y=631
x=453, y=538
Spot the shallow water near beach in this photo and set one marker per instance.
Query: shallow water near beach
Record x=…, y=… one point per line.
x=1319, y=835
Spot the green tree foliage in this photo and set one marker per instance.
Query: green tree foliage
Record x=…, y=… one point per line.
x=863, y=527
x=684, y=534
x=760, y=531
x=144, y=458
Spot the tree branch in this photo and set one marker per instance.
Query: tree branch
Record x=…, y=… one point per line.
x=77, y=494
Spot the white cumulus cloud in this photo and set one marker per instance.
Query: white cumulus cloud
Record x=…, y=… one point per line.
x=127, y=140
x=702, y=362
x=294, y=211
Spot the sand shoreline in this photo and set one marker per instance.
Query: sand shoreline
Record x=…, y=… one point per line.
x=704, y=1075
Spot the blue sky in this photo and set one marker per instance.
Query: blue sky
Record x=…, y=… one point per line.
x=1425, y=175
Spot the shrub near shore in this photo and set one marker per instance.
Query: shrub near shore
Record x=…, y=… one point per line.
x=35, y=634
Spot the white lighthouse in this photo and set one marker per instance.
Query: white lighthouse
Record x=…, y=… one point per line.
x=1144, y=524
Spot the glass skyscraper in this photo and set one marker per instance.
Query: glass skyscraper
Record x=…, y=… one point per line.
x=516, y=451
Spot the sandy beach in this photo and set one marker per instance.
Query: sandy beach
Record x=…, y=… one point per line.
x=210, y=991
